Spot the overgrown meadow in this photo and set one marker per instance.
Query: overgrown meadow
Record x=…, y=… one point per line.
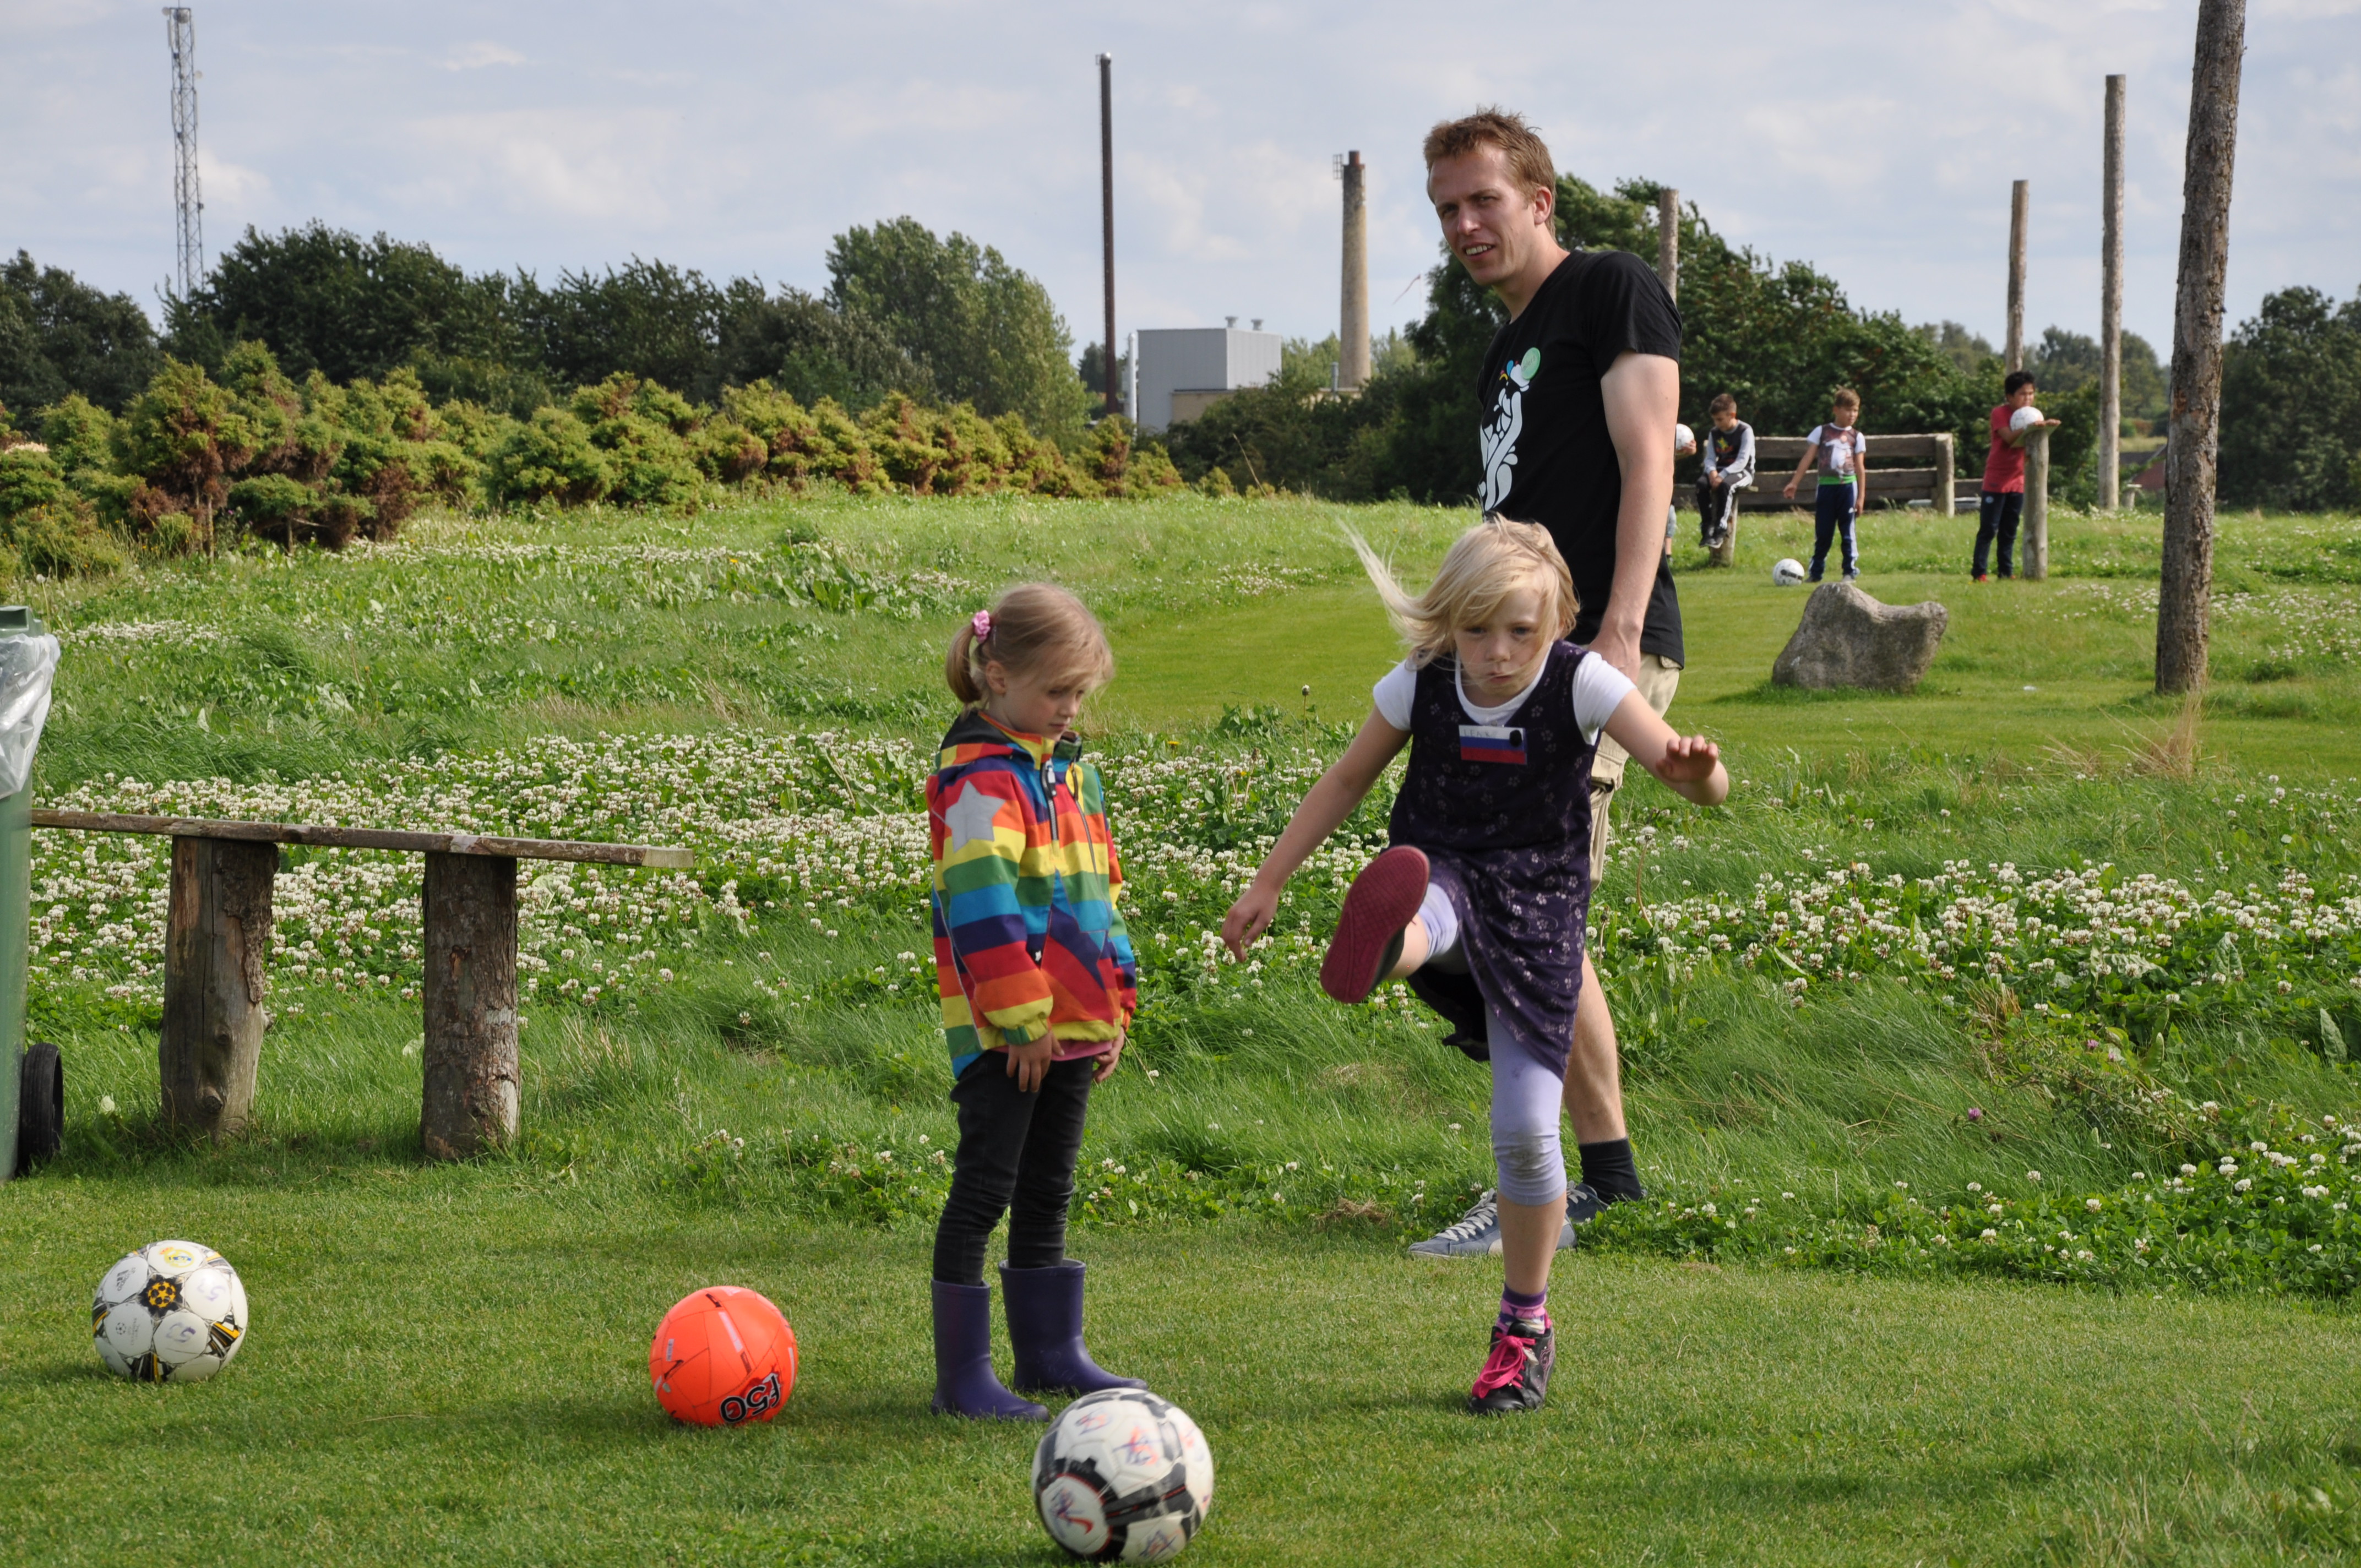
x=2028, y=976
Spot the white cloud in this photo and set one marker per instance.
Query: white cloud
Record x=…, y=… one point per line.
x=480, y=54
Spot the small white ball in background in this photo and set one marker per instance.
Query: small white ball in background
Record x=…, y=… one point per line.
x=170, y=1312
x=1684, y=440
x=2025, y=416
x=1787, y=572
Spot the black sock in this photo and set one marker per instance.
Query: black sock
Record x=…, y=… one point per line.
x=1608, y=1170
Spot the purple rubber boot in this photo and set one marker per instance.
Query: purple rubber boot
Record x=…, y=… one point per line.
x=1045, y=1326
x=964, y=1384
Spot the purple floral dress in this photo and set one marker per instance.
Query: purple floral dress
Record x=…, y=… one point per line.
x=1503, y=814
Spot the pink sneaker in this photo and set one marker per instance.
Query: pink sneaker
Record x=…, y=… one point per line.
x=1382, y=900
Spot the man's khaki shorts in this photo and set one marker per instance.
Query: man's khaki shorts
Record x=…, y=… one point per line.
x=1659, y=679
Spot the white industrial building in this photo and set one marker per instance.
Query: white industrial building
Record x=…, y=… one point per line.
x=1178, y=372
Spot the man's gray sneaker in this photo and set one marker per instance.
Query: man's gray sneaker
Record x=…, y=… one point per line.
x=1476, y=1234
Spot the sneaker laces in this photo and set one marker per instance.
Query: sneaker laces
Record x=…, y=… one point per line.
x=1474, y=1222
x=1505, y=1366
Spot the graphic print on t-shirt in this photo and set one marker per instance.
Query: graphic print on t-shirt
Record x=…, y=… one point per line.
x=1508, y=422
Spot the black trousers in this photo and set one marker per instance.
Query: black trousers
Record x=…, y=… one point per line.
x=1833, y=511
x=1016, y=1156
x=1716, y=504
x=1997, y=518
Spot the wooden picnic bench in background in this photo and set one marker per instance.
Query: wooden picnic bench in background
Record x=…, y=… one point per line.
x=1902, y=469
x=217, y=959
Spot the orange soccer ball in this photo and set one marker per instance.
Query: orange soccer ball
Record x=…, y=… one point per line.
x=722, y=1357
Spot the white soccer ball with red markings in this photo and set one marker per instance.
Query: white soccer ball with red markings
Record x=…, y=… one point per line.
x=170, y=1312
x=1122, y=1476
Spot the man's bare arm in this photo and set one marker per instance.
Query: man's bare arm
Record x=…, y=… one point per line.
x=1642, y=393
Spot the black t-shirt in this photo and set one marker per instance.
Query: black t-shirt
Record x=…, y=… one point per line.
x=1547, y=457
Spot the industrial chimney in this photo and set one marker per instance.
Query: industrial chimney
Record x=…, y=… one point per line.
x=1352, y=327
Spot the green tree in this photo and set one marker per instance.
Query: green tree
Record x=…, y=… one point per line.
x=809, y=351
x=60, y=337
x=648, y=319
x=986, y=331
x=2291, y=404
x=326, y=299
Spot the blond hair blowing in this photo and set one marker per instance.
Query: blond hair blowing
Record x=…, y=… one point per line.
x=1035, y=626
x=1483, y=565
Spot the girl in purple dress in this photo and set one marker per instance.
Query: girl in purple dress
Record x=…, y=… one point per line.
x=1481, y=900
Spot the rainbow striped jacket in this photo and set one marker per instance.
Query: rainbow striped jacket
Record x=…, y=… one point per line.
x=1027, y=938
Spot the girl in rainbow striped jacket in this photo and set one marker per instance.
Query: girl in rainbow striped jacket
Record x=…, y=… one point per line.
x=1038, y=986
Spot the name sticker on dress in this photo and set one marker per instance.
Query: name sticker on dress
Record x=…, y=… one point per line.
x=1491, y=743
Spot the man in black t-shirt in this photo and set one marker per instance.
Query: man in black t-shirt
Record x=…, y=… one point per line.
x=1578, y=392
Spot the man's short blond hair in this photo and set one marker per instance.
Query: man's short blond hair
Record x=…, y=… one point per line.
x=1528, y=155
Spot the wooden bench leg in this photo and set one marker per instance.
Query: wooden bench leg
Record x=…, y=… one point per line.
x=216, y=968
x=471, y=998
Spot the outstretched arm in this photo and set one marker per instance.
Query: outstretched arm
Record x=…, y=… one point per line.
x=1690, y=765
x=1340, y=789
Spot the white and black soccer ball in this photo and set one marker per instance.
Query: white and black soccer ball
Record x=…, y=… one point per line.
x=170, y=1312
x=1788, y=573
x=1122, y=1476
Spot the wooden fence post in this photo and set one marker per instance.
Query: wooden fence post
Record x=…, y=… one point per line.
x=1946, y=459
x=471, y=996
x=2035, y=567
x=216, y=968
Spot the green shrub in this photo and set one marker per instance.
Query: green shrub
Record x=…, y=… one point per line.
x=185, y=437
x=30, y=478
x=551, y=458
x=80, y=435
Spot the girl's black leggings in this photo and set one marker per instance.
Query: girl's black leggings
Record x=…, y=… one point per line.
x=1017, y=1155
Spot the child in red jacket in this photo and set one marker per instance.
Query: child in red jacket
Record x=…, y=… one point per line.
x=1038, y=985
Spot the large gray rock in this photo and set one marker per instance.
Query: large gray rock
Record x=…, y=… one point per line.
x=1847, y=639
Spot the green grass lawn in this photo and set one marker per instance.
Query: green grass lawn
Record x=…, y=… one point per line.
x=450, y=1368
x=448, y=1363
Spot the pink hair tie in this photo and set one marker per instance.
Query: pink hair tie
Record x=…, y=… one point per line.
x=981, y=625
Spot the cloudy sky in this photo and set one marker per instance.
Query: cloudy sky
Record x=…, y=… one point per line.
x=1877, y=141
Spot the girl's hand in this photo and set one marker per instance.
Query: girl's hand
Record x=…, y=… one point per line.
x=1249, y=918
x=1688, y=759
x=1789, y=490
x=1108, y=1063
x=1028, y=1065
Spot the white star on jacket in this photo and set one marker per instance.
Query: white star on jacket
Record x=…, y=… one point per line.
x=971, y=818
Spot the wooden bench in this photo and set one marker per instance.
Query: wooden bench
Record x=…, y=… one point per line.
x=1902, y=469
x=217, y=959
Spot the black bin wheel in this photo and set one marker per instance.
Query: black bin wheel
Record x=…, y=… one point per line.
x=41, y=1106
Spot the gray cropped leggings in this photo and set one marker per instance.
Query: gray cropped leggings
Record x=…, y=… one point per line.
x=1527, y=1153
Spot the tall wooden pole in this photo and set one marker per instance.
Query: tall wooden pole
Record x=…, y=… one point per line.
x=1106, y=207
x=2193, y=439
x=1668, y=239
x=2111, y=306
x=2015, y=353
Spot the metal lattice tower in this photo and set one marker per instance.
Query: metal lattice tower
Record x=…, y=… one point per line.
x=181, y=28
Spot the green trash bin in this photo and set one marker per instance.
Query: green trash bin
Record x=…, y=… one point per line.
x=31, y=1088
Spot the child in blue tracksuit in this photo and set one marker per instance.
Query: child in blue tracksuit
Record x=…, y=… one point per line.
x=1842, y=453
